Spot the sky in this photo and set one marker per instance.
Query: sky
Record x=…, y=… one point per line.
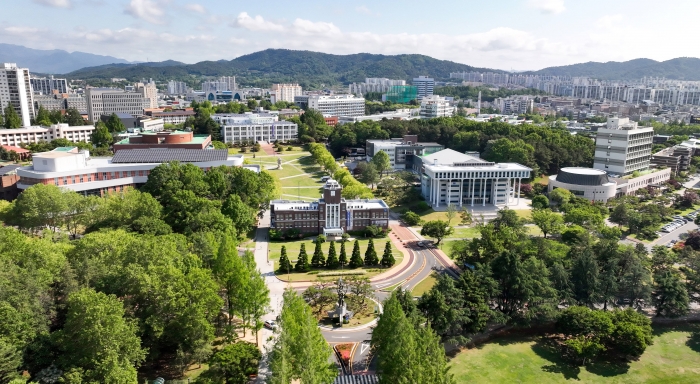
x=504, y=34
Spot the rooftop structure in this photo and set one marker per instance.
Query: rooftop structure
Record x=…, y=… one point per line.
x=399, y=114
x=176, y=139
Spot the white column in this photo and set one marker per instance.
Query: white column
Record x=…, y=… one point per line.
x=437, y=194
x=483, y=194
x=509, y=194
x=520, y=182
x=472, y=184
x=461, y=192
x=449, y=193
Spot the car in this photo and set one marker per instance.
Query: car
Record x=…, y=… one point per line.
x=677, y=217
x=270, y=324
x=325, y=178
x=421, y=243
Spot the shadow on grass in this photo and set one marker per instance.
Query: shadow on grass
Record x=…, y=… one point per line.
x=694, y=341
x=607, y=368
x=549, y=350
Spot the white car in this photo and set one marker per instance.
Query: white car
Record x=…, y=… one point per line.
x=270, y=324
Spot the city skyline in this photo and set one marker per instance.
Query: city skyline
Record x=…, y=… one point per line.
x=511, y=35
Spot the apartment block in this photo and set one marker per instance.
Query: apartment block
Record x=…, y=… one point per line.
x=284, y=92
x=16, y=90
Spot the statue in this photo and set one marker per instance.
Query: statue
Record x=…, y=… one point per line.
x=279, y=163
x=341, y=293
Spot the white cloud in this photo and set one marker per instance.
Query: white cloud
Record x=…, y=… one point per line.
x=147, y=10
x=363, y=9
x=55, y=3
x=256, y=23
x=21, y=30
x=319, y=28
x=199, y=8
x=547, y=6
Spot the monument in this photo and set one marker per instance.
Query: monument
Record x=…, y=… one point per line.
x=341, y=309
x=279, y=163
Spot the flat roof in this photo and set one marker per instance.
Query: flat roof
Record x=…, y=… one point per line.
x=164, y=155
x=8, y=168
x=584, y=171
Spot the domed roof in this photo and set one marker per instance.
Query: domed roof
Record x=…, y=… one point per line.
x=582, y=176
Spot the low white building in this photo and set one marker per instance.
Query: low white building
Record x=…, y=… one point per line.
x=33, y=135
x=152, y=125
x=435, y=106
x=589, y=183
x=263, y=126
x=336, y=105
x=399, y=114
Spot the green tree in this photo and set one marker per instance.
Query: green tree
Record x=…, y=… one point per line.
x=318, y=260
x=547, y=221
x=241, y=214
x=42, y=117
x=285, y=266
x=540, y=202
x=332, y=261
x=97, y=339
x=451, y=212
x=436, y=229
x=256, y=297
x=561, y=196
x=355, y=259
x=371, y=254
x=114, y=124
x=368, y=174
x=41, y=205
x=381, y=162
x=411, y=218
x=302, y=264
x=670, y=297
x=73, y=118
x=101, y=137
x=12, y=119
x=388, y=259
x=584, y=277
x=233, y=277
x=343, y=257
x=235, y=363
x=10, y=361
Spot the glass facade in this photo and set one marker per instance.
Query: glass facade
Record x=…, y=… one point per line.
x=401, y=94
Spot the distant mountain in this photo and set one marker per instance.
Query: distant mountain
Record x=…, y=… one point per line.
x=682, y=68
x=51, y=61
x=279, y=65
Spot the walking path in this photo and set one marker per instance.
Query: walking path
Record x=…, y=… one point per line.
x=267, y=148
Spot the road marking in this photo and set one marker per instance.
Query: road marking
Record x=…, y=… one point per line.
x=363, y=348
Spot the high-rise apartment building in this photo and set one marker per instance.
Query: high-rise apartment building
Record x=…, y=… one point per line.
x=105, y=101
x=337, y=105
x=16, y=90
x=47, y=86
x=284, y=92
x=177, y=87
x=148, y=91
x=622, y=147
x=435, y=106
x=424, y=86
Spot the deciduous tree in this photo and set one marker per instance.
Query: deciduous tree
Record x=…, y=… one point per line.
x=436, y=229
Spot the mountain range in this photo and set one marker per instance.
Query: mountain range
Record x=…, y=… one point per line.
x=52, y=61
x=681, y=68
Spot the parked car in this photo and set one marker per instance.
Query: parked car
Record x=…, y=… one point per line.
x=325, y=178
x=270, y=324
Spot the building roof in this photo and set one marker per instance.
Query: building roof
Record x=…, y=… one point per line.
x=450, y=157
x=164, y=155
x=582, y=176
x=8, y=168
x=449, y=160
x=16, y=149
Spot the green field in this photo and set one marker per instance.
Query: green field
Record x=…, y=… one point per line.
x=424, y=286
x=673, y=358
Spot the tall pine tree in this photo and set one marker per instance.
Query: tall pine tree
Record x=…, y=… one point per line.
x=285, y=265
x=318, y=260
x=343, y=258
x=12, y=119
x=670, y=297
x=302, y=264
x=371, y=254
x=332, y=261
x=388, y=259
x=355, y=259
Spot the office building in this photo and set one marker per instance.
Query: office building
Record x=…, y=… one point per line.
x=449, y=177
x=8, y=182
x=48, y=86
x=374, y=84
x=105, y=101
x=16, y=90
x=331, y=215
x=33, y=135
x=435, y=106
x=424, y=86
x=622, y=147
x=177, y=87
x=514, y=105
x=74, y=169
x=176, y=139
x=60, y=102
x=401, y=94
x=336, y=105
x=284, y=92
x=151, y=124
x=175, y=116
x=77, y=102
x=677, y=158
x=247, y=127
x=401, y=150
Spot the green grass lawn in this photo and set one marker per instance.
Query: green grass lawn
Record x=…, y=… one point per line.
x=424, y=286
x=313, y=193
x=544, y=180
x=673, y=358
x=293, y=248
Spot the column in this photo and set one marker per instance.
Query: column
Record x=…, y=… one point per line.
x=449, y=193
x=483, y=194
x=509, y=194
x=437, y=194
x=461, y=192
x=520, y=182
x=472, y=185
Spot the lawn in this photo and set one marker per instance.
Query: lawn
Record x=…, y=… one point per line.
x=424, y=286
x=543, y=179
x=673, y=358
x=293, y=248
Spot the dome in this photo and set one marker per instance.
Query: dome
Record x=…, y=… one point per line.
x=582, y=176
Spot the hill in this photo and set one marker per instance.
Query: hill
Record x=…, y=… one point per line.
x=51, y=61
x=682, y=68
x=310, y=69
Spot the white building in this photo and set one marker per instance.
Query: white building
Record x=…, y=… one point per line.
x=16, y=90
x=33, y=135
x=148, y=91
x=177, y=87
x=236, y=128
x=424, y=86
x=435, y=106
x=374, y=84
x=105, y=101
x=337, y=105
x=588, y=183
x=399, y=114
x=623, y=148
x=174, y=116
x=451, y=177
x=284, y=92
x=515, y=105
x=47, y=86
x=152, y=125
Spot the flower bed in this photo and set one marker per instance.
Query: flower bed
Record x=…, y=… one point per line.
x=344, y=351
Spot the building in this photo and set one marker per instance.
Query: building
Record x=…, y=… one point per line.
x=284, y=92
x=331, y=215
x=374, y=84
x=8, y=182
x=263, y=126
x=677, y=158
x=623, y=148
x=336, y=105
x=401, y=150
x=149, y=92
x=48, y=86
x=74, y=169
x=450, y=177
x=174, y=117
x=105, y=101
x=435, y=106
x=16, y=90
x=32, y=135
x=127, y=120
x=176, y=139
x=424, y=86
x=589, y=183
x=331, y=121
x=24, y=154
x=151, y=125
x=401, y=94
x=177, y=87
x=515, y=105
x=50, y=102
x=77, y=102
x=399, y=114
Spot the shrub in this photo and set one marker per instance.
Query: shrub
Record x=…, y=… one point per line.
x=411, y=218
x=422, y=206
x=290, y=148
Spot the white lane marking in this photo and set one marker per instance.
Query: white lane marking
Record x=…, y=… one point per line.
x=363, y=348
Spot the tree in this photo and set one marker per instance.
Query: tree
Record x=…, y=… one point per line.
x=12, y=119
x=235, y=363
x=41, y=205
x=10, y=361
x=465, y=216
x=343, y=257
x=670, y=297
x=620, y=214
x=371, y=254
x=355, y=259
x=381, y=162
x=42, y=117
x=540, y=202
x=561, y=196
x=388, y=259
x=256, y=296
x=302, y=264
x=114, y=124
x=436, y=229
x=241, y=214
x=318, y=260
x=232, y=275
x=547, y=221
x=101, y=137
x=411, y=218
x=285, y=266
x=73, y=117
x=451, y=212
x=332, y=261
x=368, y=174
x=97, y=339
x=584, y=278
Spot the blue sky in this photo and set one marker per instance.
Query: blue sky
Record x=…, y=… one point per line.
x=504, y=34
